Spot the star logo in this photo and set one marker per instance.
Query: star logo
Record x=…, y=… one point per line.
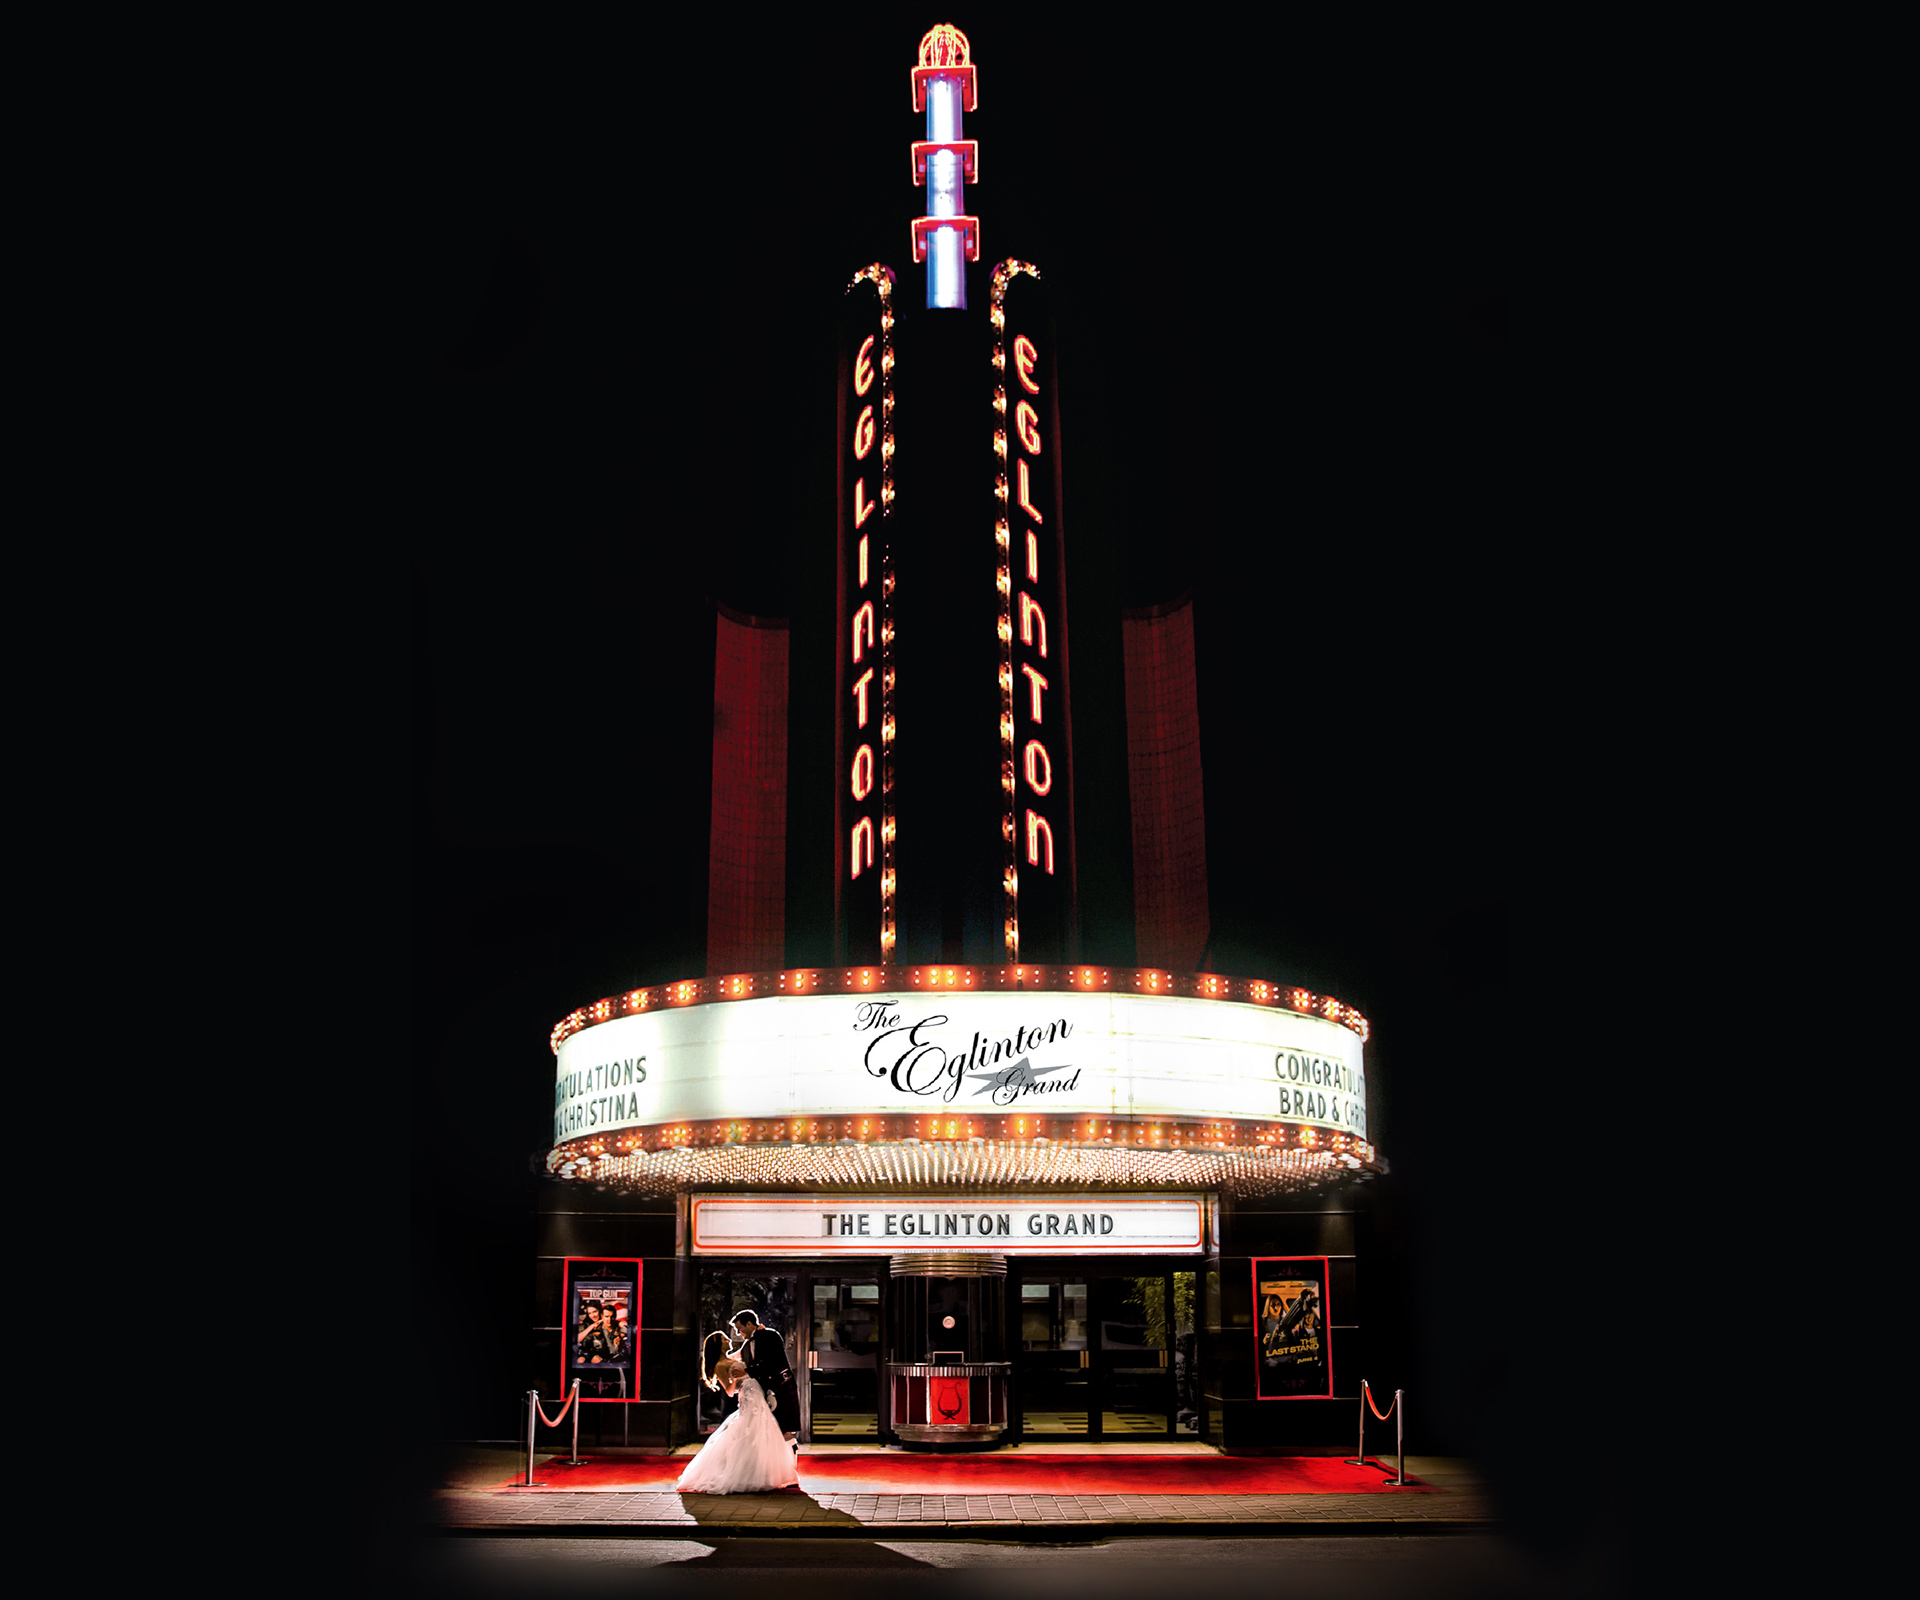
x=1012, y=1078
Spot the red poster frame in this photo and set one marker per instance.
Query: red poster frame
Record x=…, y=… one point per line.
x=567, y=1279
x=1326, y=1301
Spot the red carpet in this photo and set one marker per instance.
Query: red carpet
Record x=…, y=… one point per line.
x=898, y=1473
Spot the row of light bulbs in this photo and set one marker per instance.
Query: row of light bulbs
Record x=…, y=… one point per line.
x=1123, y=1132
x=886, y=978
x=986, y=1164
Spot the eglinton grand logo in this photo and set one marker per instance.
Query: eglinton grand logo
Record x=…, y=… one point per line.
x=1003, y=1068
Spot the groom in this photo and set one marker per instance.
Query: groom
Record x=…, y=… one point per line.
x=765, y=1355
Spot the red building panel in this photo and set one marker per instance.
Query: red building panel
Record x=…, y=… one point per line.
x=747, y=851
x=1163, y=779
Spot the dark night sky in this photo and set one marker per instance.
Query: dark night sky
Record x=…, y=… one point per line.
x=1295, y=283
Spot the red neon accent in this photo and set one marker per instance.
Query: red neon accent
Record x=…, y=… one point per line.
x=1164, y=782
x=1025, y=359
x=863, y=367
x=1026, y=490
x=863, y=561
x=970, y=98
x=866, y=611
x=1326, y=1324
x=1029, y=613
x=967, y=149
x=1026, y=423
x=1034, y=782
x=571, y=1281
x=862, y=506
x=1036, y=826
x=863, y=829
x=863, y=433
x=863, y=772
x=1033, y=557
x=1035, y=685
x=860, y=697
x=747, y=837
x=970, y=236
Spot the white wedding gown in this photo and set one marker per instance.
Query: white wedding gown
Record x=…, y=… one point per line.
x=745, y=1454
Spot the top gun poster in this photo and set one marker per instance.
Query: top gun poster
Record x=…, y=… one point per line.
x=1293, y=1353
x=600, y=1327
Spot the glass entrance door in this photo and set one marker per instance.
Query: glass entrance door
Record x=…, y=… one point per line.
x=771, y=1295
x=842, y=1384
x=1131, y=1356
x=1107, y=1354
x=1053, y=1370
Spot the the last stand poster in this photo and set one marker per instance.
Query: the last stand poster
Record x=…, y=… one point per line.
x=1292, y=1360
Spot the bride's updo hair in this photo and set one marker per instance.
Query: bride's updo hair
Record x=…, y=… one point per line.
x=713, y=1354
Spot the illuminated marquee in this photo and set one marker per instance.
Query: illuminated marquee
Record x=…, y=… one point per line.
x=992, y=1064
x=1064, y=1224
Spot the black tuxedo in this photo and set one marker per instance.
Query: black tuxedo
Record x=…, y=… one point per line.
x=765, y=1355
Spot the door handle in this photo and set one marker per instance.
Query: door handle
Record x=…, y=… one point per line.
x=1163, y=1358
x=1083, y=1358
x=813, y=1360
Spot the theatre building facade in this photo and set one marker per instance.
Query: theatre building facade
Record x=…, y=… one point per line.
x=985, y=1186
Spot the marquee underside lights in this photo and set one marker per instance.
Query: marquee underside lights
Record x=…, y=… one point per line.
x=986, y=1165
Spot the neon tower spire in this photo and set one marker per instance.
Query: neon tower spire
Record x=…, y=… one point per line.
x=943, y=87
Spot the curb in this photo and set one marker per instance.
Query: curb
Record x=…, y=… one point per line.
x=1021, y=1532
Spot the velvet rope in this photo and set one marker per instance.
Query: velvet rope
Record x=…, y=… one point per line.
x=1382, y=1415
x=554, y=1422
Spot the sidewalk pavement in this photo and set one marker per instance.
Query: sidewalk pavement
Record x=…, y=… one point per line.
x=471, y=1502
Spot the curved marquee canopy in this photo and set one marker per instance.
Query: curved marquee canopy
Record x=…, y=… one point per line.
x=873, y=1077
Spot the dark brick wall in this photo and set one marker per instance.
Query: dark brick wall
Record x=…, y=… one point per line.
x=570, y=1220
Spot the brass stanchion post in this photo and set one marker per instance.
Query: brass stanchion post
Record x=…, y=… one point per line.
x=1399, y=1478
x=1359, y=1457
x=574, y=1401
x=533, y=1417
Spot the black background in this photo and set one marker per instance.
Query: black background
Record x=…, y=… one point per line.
x=1309, y=370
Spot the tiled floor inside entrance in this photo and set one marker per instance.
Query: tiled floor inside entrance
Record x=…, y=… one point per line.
x=839, y=1425
x=845, y=1425
x=1113, y=1424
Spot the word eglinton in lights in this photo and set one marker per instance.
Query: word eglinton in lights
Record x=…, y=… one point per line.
x=943, y=87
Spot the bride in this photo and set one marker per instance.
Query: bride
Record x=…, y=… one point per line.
x=746, y=1453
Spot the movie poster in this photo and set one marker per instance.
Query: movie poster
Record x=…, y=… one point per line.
x=1293, y=1359
x=600, y=1328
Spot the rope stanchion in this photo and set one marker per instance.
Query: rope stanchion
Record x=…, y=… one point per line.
x=536, y=1415
x=573, y=1405
x=1397, y=1411
x=554, y=1422
x=1359, y=1456
x=533, y=1411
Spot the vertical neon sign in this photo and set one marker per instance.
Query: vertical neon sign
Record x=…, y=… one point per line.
x=865, y=805
x=1026, y=764
x=943, y=87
